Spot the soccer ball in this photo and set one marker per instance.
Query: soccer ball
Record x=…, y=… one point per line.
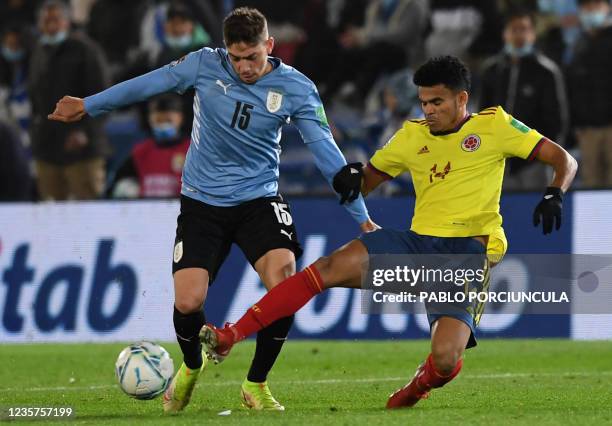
x=144, y=370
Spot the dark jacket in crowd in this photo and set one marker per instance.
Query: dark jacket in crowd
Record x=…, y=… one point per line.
x=115, y=26
x=531, y=89
x=15, y=180
x=589, y=79
x=76, y=67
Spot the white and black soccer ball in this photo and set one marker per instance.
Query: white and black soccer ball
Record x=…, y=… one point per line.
x=144, y=370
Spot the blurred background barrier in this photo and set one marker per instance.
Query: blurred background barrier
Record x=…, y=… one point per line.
x=101, y=271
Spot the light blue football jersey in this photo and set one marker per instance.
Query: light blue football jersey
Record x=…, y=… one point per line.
x=234, y=151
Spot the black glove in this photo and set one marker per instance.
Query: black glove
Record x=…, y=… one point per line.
x=347, y=182
x=549, y=209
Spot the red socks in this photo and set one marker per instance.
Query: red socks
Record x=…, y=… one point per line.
x=282, y=301
x=432, y=378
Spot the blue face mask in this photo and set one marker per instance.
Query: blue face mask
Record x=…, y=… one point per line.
x=12, y=55
x=179, y=42
x=165, y=132
x=546, y=6
x=518, y=52
x=55, y=39
x=592, y=20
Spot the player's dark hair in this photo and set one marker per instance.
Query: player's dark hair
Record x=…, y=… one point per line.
x=519, y=13
x=166, y=102
x=244, y=25
x=446, y=70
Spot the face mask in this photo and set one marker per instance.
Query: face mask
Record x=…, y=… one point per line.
x=519, y=52
x=12, y=55
x=546, y=6
x=178, y=42
x=55, y=39
x=592, y=20
x=165, y=132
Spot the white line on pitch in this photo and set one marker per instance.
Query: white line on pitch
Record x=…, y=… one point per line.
x=331, y=381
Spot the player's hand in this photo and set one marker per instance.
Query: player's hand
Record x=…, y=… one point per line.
x=549, y=210
x=369, y=226
x=347, y=182
x=68, y=109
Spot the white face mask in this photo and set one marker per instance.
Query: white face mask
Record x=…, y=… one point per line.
x=55, y=39
x=519, y=52
x=592, y=20
x=178, y=42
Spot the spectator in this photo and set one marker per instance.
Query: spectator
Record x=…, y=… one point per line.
x=17, y=12
x=15, y=181
x=153, y=27
x=154, y=168
x=464, y=28
x=388, y=41
x=14, y=59
x=530, y=87
x=590, y=86
x=181, y=36
x=322, y=21
x=69, y=159
x=396, y=100
x=559, y=28
x=115, y=26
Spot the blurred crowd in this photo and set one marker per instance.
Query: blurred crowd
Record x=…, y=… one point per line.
x=546, y=62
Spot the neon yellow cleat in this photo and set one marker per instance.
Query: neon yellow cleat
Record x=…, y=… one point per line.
x=257, y=396
x=179, y=392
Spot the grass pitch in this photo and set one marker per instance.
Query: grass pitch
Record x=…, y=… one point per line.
x=324, y=382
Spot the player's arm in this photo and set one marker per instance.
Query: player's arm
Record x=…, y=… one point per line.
x=518, y=140
x=312, y=124
x=177, y=76
x=386, y=164
x=372, y=179
x=330, y=162
x=548, y=211
x=562, y=162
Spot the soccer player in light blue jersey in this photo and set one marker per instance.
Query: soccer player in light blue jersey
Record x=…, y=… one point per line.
x=229, y=191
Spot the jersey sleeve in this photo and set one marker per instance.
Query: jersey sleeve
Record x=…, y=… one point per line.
x=390, y=158
x=310, y=118
x=515, y=138
x=177, y=76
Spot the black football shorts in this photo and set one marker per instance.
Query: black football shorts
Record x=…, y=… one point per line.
x=205, y=233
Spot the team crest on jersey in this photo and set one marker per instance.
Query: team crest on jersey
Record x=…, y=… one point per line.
x=274, y=101
x=470, y=143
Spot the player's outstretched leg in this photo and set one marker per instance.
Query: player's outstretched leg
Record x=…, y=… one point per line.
x=341, y=269
x=448, y=340
x=190, y=286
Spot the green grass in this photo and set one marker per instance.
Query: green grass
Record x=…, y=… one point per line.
x=340, y=383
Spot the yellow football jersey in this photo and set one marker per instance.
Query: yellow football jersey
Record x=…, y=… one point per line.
x=458, y=176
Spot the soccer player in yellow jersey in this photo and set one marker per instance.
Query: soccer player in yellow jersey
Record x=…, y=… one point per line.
x=457, y=163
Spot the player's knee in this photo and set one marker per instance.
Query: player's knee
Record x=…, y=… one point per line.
x=445, y=359
x=188, y=304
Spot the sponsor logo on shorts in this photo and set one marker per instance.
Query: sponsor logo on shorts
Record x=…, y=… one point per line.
x=178, y=252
